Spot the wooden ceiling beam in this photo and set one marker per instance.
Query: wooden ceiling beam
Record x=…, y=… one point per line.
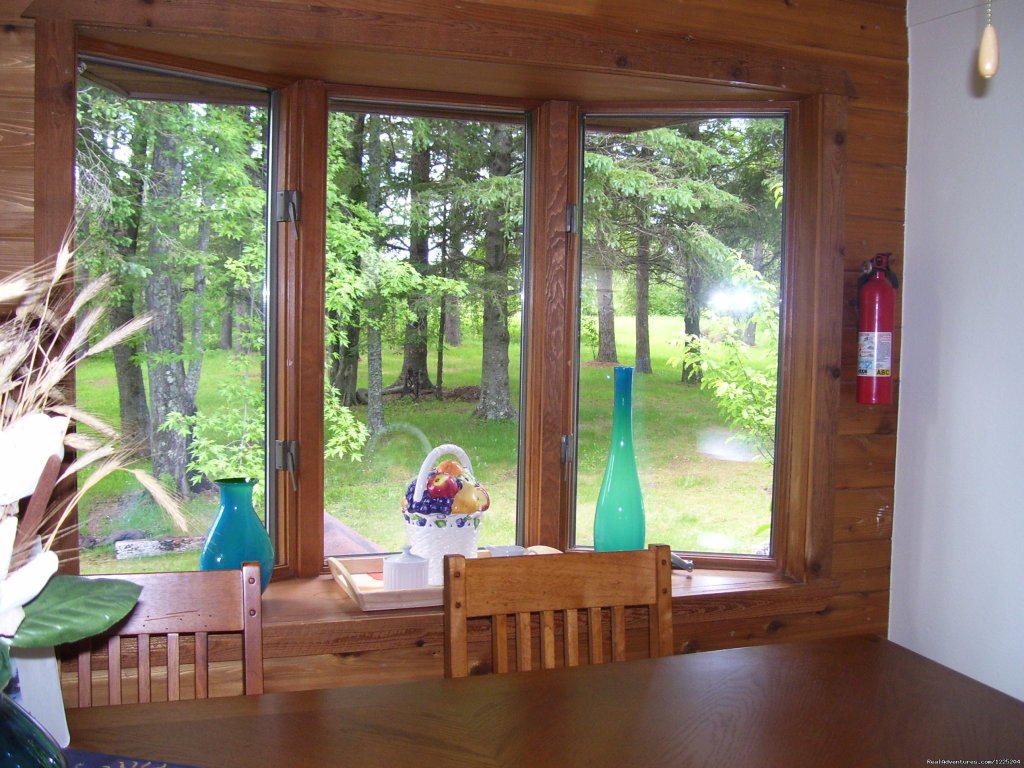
x=472, y=37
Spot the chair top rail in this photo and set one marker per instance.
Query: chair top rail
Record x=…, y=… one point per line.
x=185, y=602
x=557, y=582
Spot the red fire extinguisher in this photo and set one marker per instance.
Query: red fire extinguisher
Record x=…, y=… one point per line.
x=876, y=302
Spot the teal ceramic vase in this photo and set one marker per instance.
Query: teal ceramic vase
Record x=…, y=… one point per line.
x=237, y=536
x=619, y=519
x=23, y=742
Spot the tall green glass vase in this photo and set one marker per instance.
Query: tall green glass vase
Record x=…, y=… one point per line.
x=619, y=519
x=237, y=536
x=23, y=742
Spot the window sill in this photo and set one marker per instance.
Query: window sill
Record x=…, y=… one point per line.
x=304, y=617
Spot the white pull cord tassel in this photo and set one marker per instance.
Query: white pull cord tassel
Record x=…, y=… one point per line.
x=988, y=52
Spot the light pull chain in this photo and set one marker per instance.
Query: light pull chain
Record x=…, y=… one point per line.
x=988, y=50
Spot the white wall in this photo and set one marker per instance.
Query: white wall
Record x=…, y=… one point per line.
x=958, y=538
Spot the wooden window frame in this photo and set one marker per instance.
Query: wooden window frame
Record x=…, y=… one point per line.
x=811, y=300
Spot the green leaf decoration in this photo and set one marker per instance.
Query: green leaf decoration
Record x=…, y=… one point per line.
x=5, y=664
x=71, y=608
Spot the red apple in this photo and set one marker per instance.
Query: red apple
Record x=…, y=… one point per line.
x=442, y=486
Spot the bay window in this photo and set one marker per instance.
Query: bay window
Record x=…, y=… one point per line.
x=419, y=214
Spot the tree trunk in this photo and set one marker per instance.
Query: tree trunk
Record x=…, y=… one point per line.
x=691, y=320
x=643, y=280
x=373, y=172
x=195, y=365
x=605, y=316
x=131, y=389
x=757, y=262
x=344, y=373
x=495, y=399
x=439, y=376
x=227, y=327
x=375, y=382
x=415, y=377
x=163, y=295
x=452, y=322
x=197, y=481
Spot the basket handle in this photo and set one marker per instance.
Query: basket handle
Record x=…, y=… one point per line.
x=431, y=460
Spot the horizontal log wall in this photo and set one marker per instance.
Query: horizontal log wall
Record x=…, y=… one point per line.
x=865, y=38
x=17, y=130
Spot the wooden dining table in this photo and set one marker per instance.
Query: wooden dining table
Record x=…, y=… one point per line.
x=840, y=702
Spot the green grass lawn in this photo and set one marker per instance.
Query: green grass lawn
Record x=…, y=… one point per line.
x=693, y=500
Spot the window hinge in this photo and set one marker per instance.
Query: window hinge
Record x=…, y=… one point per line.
x=286, y=457
x=571, y=219
x=288, y=207
x=568, y=449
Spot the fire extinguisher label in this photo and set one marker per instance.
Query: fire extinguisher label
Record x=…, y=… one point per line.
x=874, y=354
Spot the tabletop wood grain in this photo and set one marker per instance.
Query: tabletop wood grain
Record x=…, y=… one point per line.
x=842, y=702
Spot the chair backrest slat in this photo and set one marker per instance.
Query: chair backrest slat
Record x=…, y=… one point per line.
x=85, y=678
x=572, y=637
x=182, y=609
x=595, y=646
x=524, y=637
x=618, y=633
x=499, y=642
x=174, y=667
x=547, y=639
x=202, y=665
x=145, y=670
x=555, y=588
x=114, y=669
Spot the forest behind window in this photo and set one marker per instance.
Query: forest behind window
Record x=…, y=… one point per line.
x=171, y=198
x=424, y=307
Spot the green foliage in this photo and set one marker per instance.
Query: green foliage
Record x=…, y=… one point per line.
x=229, y=440
x=588, y=333
x=344, y=434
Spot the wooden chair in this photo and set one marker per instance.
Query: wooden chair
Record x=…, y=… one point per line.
x=170, y=628
x=579, y=586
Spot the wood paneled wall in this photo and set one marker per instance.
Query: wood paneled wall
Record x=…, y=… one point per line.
x=17, y=132
x=866, y=39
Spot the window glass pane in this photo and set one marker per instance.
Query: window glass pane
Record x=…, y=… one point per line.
x=682, y=260
x=424, y=316
x=171, y=192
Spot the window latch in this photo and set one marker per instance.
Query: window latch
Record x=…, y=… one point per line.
x=288, y=202
x=286, y=457
x=568, y=456
x=571, y=218
x=568, y=449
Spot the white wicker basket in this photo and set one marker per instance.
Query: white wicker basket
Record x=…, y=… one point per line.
x=435, y=535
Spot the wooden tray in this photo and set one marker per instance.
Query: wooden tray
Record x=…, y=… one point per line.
x=363, y=579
